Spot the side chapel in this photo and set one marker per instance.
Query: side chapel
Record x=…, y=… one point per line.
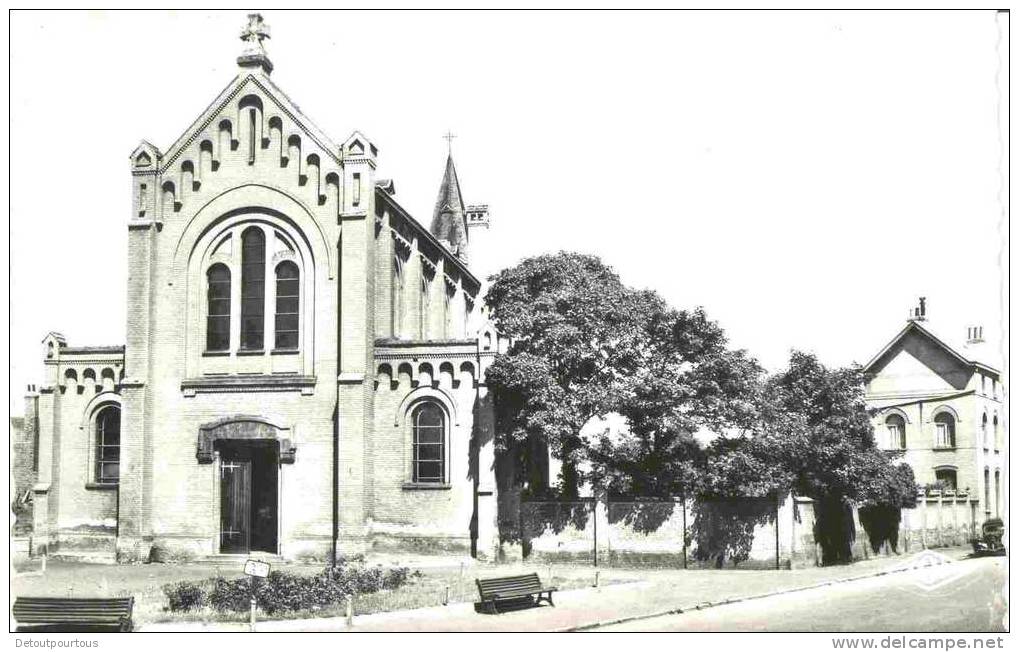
x=304, y=364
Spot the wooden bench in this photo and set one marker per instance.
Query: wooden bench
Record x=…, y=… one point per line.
x=515, y=592
x=73, y=614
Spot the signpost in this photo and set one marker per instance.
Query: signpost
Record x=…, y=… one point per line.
x=255, y=568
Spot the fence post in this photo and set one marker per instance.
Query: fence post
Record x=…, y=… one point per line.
x=445, y=599
x=594, y=515
x=923, y=520
x=778, y=557
x=682, y=497
x=350, y=610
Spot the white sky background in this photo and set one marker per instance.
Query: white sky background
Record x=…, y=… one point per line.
x=804, y=176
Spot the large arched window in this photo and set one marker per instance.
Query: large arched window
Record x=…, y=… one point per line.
x=429, y=424
x=217, y=325
x=997, y=433
x=944, y=430
x=253, y=289
x=288, y=302
x=107, y=445
x=896, y=426
x=983, y=432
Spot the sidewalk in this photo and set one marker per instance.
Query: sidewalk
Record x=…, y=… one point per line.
x=663, y=591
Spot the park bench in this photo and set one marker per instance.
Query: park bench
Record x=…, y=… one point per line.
x=73, y=614
x=514, y=592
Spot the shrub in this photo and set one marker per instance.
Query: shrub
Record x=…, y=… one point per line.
x=283, y=592
x=184, y=596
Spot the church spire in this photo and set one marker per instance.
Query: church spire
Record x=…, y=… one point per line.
x=254, y=54
x=448, y=220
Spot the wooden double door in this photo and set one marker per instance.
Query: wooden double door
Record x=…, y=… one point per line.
x=249, y=497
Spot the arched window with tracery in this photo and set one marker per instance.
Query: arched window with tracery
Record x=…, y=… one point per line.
x=107, y=445
x=944, y=430
x=252, y=289
x=288, y=302
x=896, y=427
x=217, y=323
x=429, y=426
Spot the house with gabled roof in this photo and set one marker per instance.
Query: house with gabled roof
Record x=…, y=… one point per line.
x=941, y=403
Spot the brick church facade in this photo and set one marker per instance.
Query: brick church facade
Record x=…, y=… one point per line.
x=304, y=364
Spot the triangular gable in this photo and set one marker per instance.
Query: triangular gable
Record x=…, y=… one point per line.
x=230, y=93
x=910, y=327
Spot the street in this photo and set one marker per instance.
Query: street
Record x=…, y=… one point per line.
x=969, y=599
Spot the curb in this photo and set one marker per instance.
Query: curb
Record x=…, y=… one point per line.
x=700, y=606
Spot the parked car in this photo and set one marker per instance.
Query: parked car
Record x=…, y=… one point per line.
x=991, y=534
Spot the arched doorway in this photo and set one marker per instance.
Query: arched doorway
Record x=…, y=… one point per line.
x=249, y=496
x=250, y=452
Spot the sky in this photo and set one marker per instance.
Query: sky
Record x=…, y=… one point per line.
x=803, y=176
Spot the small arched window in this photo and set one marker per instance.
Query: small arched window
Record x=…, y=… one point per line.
x=946, y=478
x=288, y=302
x=253, y=289
x=997, y=433
x=107, y=445
x=429, y=424
x=944, y=430
x=896, y=426
x=217, y=325
x=983, y=432
x=997, y=493
x=987, y=490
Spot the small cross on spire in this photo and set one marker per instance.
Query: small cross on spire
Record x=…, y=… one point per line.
x=449, y=136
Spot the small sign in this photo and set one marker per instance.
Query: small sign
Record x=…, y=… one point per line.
x=256, y=568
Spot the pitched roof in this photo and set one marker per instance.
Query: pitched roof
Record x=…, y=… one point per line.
x=917, y=326
x=449, y=221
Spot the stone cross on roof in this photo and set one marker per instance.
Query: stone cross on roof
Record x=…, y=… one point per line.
x=255, y=31
x=254, y=54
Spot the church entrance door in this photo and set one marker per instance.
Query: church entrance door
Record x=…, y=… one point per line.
x=249, y=474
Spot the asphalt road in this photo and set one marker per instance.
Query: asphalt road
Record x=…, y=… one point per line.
x=964, y=596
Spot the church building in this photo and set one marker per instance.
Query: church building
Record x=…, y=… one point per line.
x=303, y=369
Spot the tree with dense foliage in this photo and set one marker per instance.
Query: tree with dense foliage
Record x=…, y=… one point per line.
x=816, y=425
x=573, y=326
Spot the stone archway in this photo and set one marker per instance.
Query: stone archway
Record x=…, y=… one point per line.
x=251, y=451
x=244, y=427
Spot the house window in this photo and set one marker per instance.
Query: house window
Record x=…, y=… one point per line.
x=997, y=493
x=288, y=297
x=107, y=445
x=944, y=430
x=252, y=289
x=997, y=433
x=983, y=432
x=217, y=327
x=429, y=425
x=895, y=424
x=945, y=478
x=356, y=190
x=987, y=490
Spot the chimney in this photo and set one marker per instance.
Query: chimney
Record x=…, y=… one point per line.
x=919, y=313
x=975, y=335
